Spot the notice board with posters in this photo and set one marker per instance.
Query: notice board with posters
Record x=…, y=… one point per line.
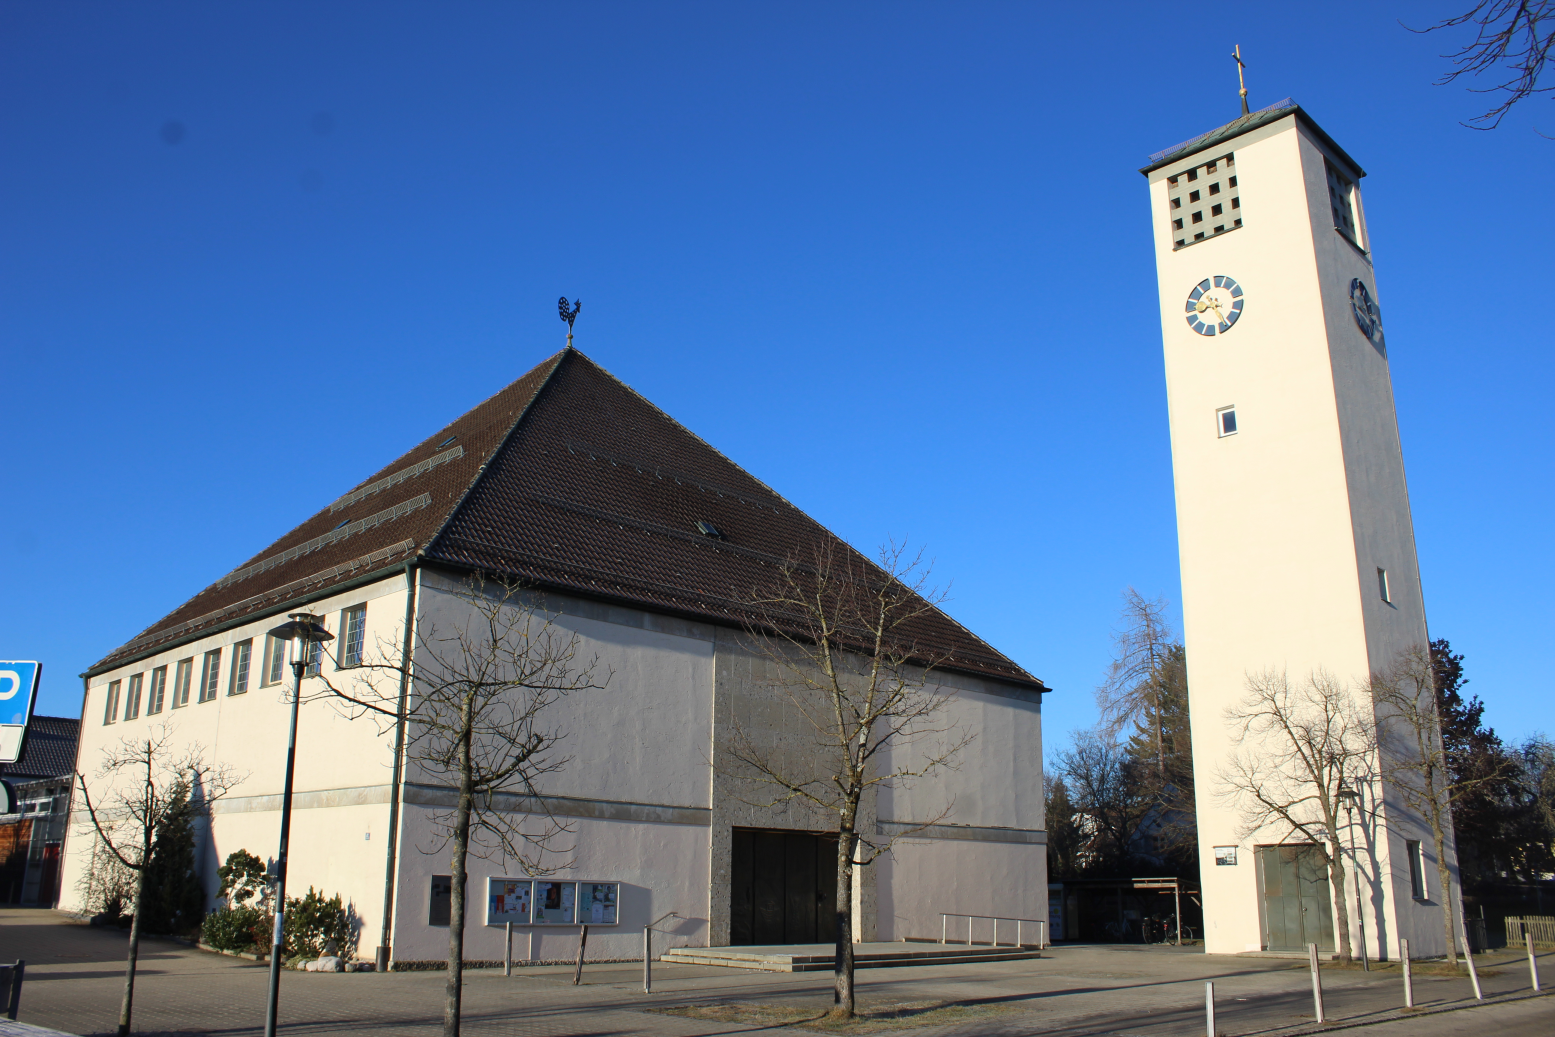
x=552, y=902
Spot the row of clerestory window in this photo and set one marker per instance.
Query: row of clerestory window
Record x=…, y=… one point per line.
x=137, y=690
x=1200, y=196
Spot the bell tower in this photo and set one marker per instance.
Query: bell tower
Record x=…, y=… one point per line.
x=1295, y=538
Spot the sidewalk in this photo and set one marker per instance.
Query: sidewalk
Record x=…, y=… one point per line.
x=75, y=979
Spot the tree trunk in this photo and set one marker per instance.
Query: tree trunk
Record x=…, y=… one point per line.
x=1336, y=883
x=134, y=955
x=842, y=994
x=455, y=985
x=1444, y=877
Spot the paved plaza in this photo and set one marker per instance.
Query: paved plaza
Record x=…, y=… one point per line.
x=75, y=978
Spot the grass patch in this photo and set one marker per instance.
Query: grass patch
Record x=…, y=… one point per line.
x=872, y=1018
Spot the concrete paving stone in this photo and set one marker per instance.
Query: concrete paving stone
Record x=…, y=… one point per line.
x=75, y=977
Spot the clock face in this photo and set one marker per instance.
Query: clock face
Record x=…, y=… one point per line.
x=1214, y=305
x=1367, y=317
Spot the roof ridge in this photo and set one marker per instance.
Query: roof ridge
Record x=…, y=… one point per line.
x=555, y=360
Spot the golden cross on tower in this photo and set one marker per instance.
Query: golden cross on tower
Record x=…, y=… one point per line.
x=1237, y=54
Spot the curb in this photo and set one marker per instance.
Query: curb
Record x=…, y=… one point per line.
x=1396, y=1014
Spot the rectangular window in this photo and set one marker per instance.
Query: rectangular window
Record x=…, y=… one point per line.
x=158, y=688
x=241, y=653
x=183, y=677
x=1416, y=869
x=1214, y=188
x=315, y=657
x=132, y=701
x=210, y=675
x=111, y=707
x=1225, y=421
x=275, y=660
x=353, y=626
x=440, y=901
x=1382, y=584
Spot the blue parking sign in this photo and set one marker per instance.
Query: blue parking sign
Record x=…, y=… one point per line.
x=18, y=687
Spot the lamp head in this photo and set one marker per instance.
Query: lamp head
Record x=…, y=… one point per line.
x=1347, y=796
x=303, y=628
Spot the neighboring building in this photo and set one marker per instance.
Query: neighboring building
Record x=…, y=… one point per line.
x=31, y=838
x=1295, y=537
x=570, y=482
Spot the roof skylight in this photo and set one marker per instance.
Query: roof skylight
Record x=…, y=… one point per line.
x=707, y=529
x=445, y=442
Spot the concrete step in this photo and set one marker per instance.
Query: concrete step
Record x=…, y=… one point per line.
x=820, y=957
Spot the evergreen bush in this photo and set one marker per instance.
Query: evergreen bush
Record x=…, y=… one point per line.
x=312, y=921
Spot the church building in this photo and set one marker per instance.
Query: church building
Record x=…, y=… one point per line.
x=645, y=543
x=1295, y=538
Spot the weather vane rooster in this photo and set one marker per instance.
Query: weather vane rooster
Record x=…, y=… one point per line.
x=569, y=315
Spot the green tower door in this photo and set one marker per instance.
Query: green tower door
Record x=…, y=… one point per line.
x=1296, y=906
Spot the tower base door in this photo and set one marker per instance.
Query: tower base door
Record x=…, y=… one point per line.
x=1296, y=906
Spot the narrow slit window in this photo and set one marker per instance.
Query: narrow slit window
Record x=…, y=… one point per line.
x=158, y=690
x=132, y=700
x=1416, y=869
x=210, y=675
x=1382, y=584
x=275, y=661
x=183, y=678
x=242, y=654
x=354, y=622
x=1225, y=421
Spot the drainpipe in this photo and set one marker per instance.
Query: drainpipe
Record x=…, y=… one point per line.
x=412, y=584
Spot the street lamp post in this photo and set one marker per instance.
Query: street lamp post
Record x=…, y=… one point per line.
x=303, y=630
x=1349, y=797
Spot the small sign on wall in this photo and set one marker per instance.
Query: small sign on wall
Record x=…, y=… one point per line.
x=1225, y=855
x=551, y=902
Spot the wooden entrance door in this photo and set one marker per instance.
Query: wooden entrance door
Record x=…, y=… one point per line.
x=783, y=887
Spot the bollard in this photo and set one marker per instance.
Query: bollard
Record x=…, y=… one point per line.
x=1317, y=984
x=1468, y=956
x=647, y=960
x=583, y=942
x=14, y=994
x=1409, y=979
x=1209, y=1008
x=1533, y=963
x=507, y=955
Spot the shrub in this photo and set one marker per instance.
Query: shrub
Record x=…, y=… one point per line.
x=313, y=921
x=175, y=897
x=238, y=928
x=243, y=877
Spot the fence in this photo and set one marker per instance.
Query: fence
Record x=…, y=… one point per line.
x=1540, y=927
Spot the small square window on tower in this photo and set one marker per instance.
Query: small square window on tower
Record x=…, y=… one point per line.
x=1341, y=191
x=1382, y=585
x=1225, y=421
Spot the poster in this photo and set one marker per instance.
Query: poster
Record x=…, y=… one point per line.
x=598, y=902
x=554, y=902
x=507, y=900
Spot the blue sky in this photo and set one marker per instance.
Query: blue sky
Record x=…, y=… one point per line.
x=892, y=258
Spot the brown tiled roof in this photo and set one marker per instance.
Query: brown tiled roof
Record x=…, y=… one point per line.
x=569, y=480
x=50, y=751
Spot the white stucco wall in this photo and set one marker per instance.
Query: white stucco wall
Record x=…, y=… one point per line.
x=340, y=819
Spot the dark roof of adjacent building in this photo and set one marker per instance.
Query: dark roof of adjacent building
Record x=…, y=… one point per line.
x=1237, y=127
x=566, y=480
x=49, y=752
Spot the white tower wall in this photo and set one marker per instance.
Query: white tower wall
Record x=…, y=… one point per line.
x=1283, y=525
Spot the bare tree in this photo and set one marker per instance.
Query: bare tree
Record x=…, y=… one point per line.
x=1296, y=744
x=147, y=781
x=1105, y=788
x=1139, y=681
x=1415, y=761
x=477, y=721
x=1512, y=38
x=839, y=634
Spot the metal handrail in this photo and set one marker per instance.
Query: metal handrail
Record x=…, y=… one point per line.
x=946, y=916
